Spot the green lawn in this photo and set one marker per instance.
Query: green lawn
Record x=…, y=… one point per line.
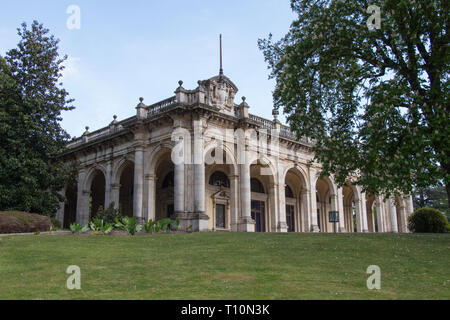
x=226, y=266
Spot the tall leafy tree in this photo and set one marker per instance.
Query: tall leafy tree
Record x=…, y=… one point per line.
x=434, y=197
x=31, y=102
x=376, y=100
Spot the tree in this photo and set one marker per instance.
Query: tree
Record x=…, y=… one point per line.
x=434, y=197
x=374, y=100
x=31, y=102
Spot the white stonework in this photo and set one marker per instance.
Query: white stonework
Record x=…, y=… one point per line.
x=203, y=158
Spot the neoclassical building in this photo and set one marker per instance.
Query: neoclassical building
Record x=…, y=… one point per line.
x=203, y=158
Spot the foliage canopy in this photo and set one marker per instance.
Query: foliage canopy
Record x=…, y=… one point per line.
x=374, y=100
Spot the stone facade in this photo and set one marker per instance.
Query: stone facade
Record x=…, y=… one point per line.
x=203, y=158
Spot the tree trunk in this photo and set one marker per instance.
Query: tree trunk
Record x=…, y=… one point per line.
x=421, y=198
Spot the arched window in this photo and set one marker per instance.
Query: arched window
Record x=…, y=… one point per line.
x=288, y=192
x=168, y=180
x=219, y=179
x=256, y=186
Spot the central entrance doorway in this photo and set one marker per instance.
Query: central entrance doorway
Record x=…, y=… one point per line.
x=258, y=208
x=220, y=216
x=290, y=209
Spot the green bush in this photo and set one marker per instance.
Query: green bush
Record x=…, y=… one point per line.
x=128, y=224
x=77, y=228
x=149, y=226
x=55, y=223
x=98, y=225
x=428, y=220
x=109, y=215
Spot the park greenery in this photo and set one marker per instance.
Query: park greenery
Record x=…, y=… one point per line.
x=375, y=100
x=31, y=102
x=226, y=266
x=428, y=220
x=102, y=224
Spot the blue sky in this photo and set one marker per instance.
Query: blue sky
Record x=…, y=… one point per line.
x=125, y=50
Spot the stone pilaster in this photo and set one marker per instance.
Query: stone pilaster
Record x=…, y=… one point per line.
x=150, y=181
x=179, y=188
x=108, y=182
x=138, y=183
x=82, y=199
x=282, y=226
x=313, y=211
x=340, y=209
x=246, y=223
x=234, y=203
x=393, y=214
x=365, y=226
x=199, y=178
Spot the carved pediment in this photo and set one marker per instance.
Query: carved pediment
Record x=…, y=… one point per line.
x=219, y=92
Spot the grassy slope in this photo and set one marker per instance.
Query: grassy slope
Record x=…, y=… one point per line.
x=226, y=266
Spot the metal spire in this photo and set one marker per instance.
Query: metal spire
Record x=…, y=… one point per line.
x=221, y=69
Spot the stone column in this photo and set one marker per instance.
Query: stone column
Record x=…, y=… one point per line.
x=150, y=180
x=403, y=216
x=365, y=227
x=115, y=190
x=306, y=205
x=199, y=178
x=234, y=201
x=409, y=209
x=281, y=224
x=138, y=183
x=340, y=209
x=108, y=182
x=393, y=214
x=409, y=205
x=380, y=215
x=179, y=189
x=82, y=199
x=246, y=223
x=313, y=211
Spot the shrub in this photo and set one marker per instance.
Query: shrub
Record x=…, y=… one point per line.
x=175, y=224
x=149, y=226
x=109, y=215
x=128, y=224
x=98, y=225
x=164, y=224
x=428, y=220
x=55, y=223
x=76, y=228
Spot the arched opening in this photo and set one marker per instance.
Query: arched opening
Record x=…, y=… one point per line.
x=220, y=189
x=258, y=205
x=70, y=204
x=263, y=204
x=97, y=195
x=126, y=190
x=324, y=205
x=219, y=179
x=164, y=195
x=295, y=194
x=372, y=215
x=350, y=220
